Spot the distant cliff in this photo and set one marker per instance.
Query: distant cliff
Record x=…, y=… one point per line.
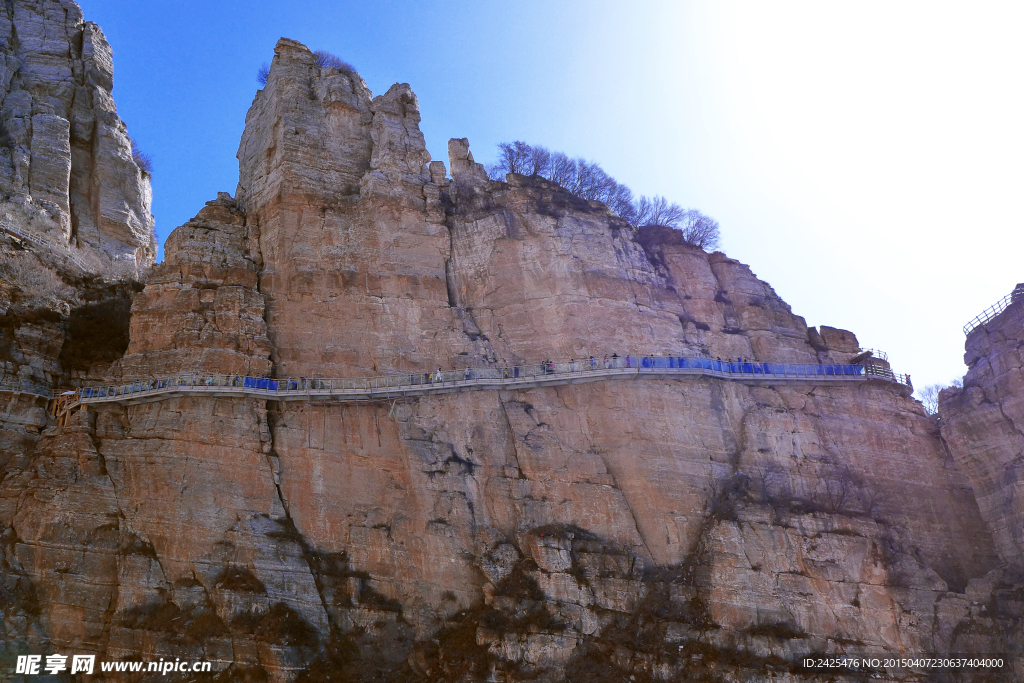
x=645, y=529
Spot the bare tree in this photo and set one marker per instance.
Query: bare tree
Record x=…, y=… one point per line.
x=141, y=159
x=620, y=200
x=841, y=484
x=539, y=161
x=563, y=170
x=772, y=484
x=327, y=60
x=929, y=395
x=495, y=171
x=698, y=229
x=263, y=73
x=664, y=213
x=514, y=158
x=588, y=180
x=519, y=157
x=591, y=181
x=641, y=212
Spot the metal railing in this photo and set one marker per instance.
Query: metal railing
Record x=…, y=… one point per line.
x=995, y=309
x=23, y=386
x=420, y=383
x=875, y=353
x=40, y=240
x=883, y=372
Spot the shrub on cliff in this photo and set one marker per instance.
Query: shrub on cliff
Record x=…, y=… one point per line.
x=698, y=229
x=588, y=180
x=327, y=60
x=141, y=159
x=34, y=284
x=322, y=58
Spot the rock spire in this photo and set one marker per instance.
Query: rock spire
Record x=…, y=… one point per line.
x=65, y=156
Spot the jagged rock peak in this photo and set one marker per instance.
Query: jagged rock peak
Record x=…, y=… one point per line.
x=66, y=160
x=317, y=131
x=208, y=277
x=464, y=168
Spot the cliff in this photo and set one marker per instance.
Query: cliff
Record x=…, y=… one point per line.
x=65, y=158
x=75, y=227
x=982, y=427
x=982, y=423
x=643, y=529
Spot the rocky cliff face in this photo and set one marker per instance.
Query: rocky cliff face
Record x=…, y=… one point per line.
x=983, y=423
x=74, y=207
x=65, y=156
x=623, y=530
x=982, y=428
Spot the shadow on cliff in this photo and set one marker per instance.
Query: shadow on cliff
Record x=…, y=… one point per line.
x=97, y=330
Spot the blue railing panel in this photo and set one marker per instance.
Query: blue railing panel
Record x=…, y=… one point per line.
x=469, y=377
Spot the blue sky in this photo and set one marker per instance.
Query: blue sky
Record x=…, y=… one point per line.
x=863, y=159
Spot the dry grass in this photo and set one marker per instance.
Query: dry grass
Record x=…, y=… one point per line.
x=32, y=284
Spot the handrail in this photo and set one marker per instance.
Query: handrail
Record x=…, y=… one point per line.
x=24, y=386
x=419, y=383
x=875, y=353
x=995, y=309
x=39, y=239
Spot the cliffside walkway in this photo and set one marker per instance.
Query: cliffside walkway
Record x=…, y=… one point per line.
x=995, y=309
x=14, y=385
x=42, y=241
x=401, y=385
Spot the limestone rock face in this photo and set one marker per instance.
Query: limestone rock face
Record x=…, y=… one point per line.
x=335, y=184
x=527, y=256
x=63, y=147
x=306, y=134
x=983, y=425
x=75, y=209
x=201, y=310
x=641, y=529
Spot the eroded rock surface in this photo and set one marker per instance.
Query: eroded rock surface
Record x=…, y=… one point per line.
x=983, y=424
x=982, y=427
x=201, y=309
x=64, y=149
x=624, y=530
